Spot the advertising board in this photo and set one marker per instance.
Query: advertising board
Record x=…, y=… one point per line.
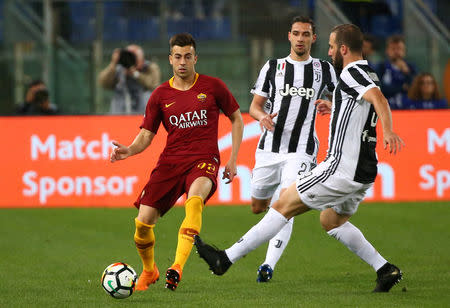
x=64, y=160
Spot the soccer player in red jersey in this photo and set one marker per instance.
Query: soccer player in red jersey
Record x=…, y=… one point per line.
x=188, y=106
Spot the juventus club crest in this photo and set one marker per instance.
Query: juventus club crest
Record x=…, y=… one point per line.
x=317, y=71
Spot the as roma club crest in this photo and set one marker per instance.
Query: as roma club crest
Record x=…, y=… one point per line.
x=201, y=98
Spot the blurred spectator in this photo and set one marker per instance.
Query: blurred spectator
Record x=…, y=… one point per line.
x=137, y=9
x=37, y=100
x=266, y=20
x=424, y=94
x=210, y=8
x=132, y=78
x=368, y=49
x=395, y=72
x=177, y=9
x=62, y=22
x=441, y=8
x=361, y=12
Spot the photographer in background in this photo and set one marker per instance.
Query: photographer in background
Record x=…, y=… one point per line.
x=132, y=78
x=37, y=100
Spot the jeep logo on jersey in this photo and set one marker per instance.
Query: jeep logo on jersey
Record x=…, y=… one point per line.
x=308, y=93
x=189, y=119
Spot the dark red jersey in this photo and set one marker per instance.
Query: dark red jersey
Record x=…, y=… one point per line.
x=190, y=117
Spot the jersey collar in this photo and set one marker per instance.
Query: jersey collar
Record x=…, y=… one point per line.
x=171, y=82
x=290, y=60
x=363, y=62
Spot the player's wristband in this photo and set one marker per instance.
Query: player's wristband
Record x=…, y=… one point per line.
x=136, y=74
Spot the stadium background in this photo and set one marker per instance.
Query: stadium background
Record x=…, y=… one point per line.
x=67, y=42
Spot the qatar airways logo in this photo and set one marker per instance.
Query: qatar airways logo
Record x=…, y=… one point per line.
x=189, y=119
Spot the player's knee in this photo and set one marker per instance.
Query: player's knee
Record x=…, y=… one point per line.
x=257, y=210
x=327, y=226
x=329, y=220
x=259, y=206
x=148, y=215
x=324, y=221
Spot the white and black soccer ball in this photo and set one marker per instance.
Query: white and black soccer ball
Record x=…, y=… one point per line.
x=119, y=280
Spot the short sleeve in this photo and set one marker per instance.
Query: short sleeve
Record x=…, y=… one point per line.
x=152, y=115
x=329, y=79
x=261, y=86
x=333, y=82
x=225, y=100
x=360, y=81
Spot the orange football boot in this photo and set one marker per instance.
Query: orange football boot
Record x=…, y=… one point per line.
x=173, y=276
x=147, y=278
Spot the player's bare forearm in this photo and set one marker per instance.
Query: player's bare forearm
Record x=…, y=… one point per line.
x=256, y=110
x=381, y=105
x=237, y=130
x=141, y=142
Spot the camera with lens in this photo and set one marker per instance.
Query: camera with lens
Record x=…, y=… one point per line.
x=127, y=58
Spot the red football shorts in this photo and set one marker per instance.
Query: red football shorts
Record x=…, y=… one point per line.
x=169, y=180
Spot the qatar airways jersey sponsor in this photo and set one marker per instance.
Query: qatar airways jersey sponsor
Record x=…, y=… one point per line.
x=190, y=119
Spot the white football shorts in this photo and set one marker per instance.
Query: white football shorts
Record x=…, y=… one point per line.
x=273, y=169
x=319, y=190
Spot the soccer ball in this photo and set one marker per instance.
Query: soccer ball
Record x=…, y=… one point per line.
x=119, y=280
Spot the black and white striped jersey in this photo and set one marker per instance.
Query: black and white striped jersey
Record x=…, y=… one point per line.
x=291, y=88
x=352, y=136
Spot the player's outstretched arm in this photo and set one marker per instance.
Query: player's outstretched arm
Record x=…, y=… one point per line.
x=381, y=105
x=257, y=112
x=237, y=129
x=140, y=143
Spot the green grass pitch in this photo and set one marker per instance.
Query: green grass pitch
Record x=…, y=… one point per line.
x=55, y=258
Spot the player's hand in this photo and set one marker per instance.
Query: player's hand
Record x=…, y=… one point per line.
x=267, y=122
x=119, y=152
x=229, y=172
x=323, y=106
x=115, y=56
x=394, y=142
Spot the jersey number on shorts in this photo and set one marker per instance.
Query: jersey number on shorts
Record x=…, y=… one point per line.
x=209, y=168
x=304, y=168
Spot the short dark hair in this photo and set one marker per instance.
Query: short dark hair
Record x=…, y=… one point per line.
x=349, y=35
x=305, y=20
x=35, y=83
x=394, y=39
x=369, y=38
x=182, y=39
